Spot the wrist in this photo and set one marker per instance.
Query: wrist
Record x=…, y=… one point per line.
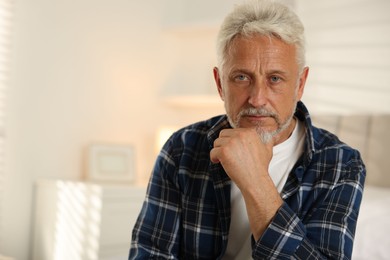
x=262, y=201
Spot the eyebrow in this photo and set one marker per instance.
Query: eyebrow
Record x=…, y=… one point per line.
x=244, y=71
x=272, y=71
x=281, y=72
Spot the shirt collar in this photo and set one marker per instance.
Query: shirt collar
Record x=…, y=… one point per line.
x=221, y=123
x=303, y=115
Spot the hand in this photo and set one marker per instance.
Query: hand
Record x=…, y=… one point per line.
x=242, y=154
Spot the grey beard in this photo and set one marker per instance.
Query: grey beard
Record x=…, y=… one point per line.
x=265, y=136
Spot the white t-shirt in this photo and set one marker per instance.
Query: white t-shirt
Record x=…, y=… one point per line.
x=285, y=155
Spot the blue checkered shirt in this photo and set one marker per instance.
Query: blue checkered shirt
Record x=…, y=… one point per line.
x=186, y=212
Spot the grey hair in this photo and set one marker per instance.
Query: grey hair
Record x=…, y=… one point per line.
x=264, y=17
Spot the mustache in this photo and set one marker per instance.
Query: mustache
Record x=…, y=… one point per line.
x=251, y=111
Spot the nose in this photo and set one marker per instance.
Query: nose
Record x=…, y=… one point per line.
x=258, y=94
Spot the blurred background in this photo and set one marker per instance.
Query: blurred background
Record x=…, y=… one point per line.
x=125, y=73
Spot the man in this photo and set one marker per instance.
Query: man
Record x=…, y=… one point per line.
x=261, y=181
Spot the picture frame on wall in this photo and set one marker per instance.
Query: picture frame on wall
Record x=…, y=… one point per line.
x=108, y=162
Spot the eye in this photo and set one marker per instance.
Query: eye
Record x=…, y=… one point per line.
x=275, y=79
x=241, y=77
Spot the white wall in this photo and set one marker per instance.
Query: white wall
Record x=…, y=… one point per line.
x=85, y=71
x=96, y=71
x=348, y=51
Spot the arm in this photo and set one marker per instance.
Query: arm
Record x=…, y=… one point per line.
x=155, y=234
x=326, y=231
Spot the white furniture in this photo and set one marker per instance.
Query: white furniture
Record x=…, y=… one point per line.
x=372, y=240
x=78, y=220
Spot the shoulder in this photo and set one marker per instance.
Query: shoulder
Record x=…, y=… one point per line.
x=187, y=152
x=324, y=143
x=335, y=163
x=328, y=143
x=203, y=127
x=194, y=137
x=326, y=155
x=193, y=133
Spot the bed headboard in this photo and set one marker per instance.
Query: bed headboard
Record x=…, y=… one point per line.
x=370, y=134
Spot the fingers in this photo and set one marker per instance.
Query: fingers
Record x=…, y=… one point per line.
x=214, y=155
x=224, y=144
x=231, y=141
x=219, y=144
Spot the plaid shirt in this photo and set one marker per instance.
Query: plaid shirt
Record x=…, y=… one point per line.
x=186, y=213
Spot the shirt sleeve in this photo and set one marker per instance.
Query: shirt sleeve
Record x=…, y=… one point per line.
x=155, y=234
x=326, y=232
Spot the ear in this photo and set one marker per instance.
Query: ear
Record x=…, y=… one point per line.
x=217, y=78
x=302, y=82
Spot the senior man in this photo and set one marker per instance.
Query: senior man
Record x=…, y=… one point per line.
x=261, y=181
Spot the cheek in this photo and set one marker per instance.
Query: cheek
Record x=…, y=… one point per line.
x=289, y=105
x=283, y=105
x=236, y=101
x=237, y=95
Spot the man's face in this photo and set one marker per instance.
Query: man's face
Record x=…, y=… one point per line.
x=260, y=84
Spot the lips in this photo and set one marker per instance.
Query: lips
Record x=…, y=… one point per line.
x=256, y=116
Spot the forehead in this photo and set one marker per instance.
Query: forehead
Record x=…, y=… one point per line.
x=261, y=50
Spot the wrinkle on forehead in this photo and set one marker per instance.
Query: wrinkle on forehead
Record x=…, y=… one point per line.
x=271, y=54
